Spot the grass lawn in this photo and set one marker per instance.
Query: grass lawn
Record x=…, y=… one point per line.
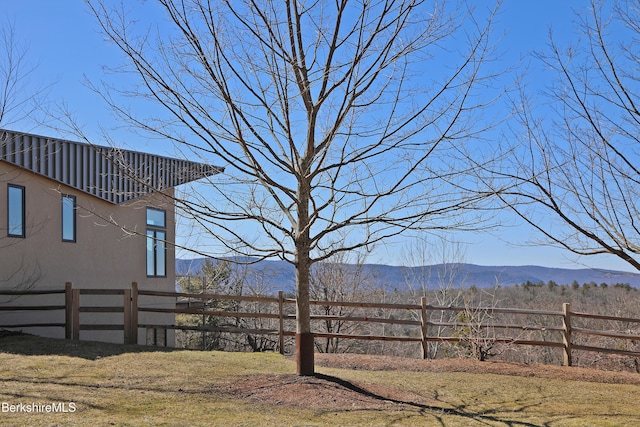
x=129, y=385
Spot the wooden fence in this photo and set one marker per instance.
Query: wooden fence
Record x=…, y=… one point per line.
x=72, y=308
x=470, y=325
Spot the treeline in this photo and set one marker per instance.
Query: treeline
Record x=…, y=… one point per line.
x=619, y=299
x=551, y=285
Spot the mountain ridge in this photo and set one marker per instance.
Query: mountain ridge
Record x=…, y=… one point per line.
x=280, y=275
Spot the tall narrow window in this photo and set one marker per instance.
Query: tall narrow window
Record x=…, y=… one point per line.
x=68, y=218
x=15, y=211
x=156, y=243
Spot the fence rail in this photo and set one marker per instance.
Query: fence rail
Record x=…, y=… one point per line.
x=414, y=317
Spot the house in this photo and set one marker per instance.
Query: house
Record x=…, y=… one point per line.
x=98, y=217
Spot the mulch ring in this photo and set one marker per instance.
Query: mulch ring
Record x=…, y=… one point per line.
x=320, y=392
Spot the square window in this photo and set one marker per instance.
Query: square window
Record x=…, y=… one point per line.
x=156, y=218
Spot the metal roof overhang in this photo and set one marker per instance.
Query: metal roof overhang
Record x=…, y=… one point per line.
x=111, y=174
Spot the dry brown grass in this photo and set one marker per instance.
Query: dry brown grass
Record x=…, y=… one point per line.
x=131, y=385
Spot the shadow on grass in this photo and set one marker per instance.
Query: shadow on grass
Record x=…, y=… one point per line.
x=30, y=345
x=437, y=411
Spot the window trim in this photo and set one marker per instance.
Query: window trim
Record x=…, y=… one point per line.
x=73, y=217
x=23, y=211
x=152, y=232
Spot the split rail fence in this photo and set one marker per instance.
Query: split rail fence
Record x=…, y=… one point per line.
x=558, y=327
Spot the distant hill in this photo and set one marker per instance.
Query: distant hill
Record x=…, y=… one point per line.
x=280, y=275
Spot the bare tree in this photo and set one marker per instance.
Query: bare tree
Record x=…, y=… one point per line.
x=338, y=280
x=340, y=124
x=433, y=268
x=18, y=97
x=576, y=176
x=474, y=324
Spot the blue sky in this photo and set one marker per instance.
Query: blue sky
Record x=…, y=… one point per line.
x=65, y=43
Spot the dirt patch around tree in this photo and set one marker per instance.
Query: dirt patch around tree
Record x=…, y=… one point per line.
x=321, y=392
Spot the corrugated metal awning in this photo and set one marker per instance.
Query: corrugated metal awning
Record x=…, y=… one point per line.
x=108, y=173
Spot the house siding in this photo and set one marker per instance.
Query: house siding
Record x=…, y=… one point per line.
x=109, y=251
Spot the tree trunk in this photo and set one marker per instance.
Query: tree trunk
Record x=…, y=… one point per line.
x=304, y=337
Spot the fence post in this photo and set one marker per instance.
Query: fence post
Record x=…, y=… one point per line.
x=126, y=305
x=566, y=332
x=68, y=310
x=424, y=328
x=281, y=319
x=134, y=313
x=75, y=314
